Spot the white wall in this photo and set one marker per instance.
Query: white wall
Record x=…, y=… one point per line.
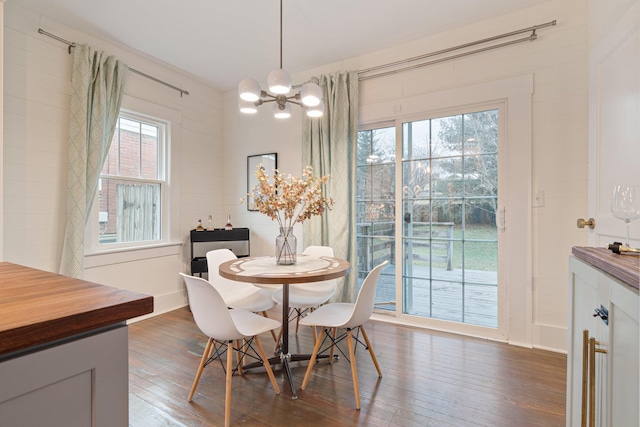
x=1, y=125
x=37, y=75
x=213, y=174
x=558, y=61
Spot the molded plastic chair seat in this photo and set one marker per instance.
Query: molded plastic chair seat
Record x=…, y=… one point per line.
x=240, y=295
x=224, y=327
x=254, y=300
x=349, y=317
x=333, y=315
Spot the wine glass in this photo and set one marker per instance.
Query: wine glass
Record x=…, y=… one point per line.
x=625, y=204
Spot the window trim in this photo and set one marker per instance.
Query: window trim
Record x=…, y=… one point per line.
x=168, y=163
x=515, y=93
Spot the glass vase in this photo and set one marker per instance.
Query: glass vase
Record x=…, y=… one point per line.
x=286, y=244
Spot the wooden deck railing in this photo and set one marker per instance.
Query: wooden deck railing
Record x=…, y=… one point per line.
x=427, y=241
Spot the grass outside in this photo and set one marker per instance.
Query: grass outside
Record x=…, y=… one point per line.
x=476, y=250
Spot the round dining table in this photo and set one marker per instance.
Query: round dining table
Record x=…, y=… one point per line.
x=265, y=270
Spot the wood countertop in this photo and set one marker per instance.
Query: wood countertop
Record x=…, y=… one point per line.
x=622, y=267
x=38, y=307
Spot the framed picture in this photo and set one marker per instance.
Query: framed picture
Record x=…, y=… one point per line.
x=269, y=162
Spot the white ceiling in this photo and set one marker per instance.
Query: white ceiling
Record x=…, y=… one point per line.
x=222, y=42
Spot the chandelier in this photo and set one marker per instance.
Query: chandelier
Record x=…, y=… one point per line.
x=279, y=83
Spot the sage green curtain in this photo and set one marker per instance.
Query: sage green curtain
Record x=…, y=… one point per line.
x=329, y=146
x=97, y=84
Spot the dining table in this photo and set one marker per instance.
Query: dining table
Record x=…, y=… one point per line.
x=266, y=271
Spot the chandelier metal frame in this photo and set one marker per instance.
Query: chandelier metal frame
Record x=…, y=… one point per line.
x=252, y=95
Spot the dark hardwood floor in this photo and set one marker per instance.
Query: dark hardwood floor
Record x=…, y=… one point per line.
x=429, y=379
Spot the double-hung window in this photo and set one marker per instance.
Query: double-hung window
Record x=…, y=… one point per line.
x=133, y=184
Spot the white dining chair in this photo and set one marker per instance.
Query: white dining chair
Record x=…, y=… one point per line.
x=307, y=297
x=350, y=317
x=224, y=327
x=235, y=294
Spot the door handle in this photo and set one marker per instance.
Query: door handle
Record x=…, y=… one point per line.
x=591, y=223
x=501, y=218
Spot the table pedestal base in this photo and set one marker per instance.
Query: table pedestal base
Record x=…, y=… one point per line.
x=284, y=360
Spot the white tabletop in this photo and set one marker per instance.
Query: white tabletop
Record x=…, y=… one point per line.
x=265, y=270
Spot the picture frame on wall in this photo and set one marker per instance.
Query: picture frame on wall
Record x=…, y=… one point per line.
x=269, y=162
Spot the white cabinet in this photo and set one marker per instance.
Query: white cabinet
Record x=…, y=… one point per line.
x=606, y=389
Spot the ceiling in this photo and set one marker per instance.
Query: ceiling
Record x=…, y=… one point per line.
x=222, y=42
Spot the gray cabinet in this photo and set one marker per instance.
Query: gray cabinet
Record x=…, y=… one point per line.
x=81, y=382
x=603, y=374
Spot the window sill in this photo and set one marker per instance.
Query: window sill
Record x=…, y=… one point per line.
x=122, y=255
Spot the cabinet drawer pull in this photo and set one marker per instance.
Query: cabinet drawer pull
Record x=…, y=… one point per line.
x=589, y=350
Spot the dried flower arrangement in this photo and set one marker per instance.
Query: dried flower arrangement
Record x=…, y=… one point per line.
x=289, y=199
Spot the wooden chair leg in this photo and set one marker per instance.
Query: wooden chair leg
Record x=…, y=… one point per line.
x=313, y=330
x=205, y=356
x=227, y=396
x=273, y=334
x=373, y=356
x=334, y=332
x=312, y=362
x=298, y=314
x=278, y=339
x=238, y=356
x=354, y=371
x=267, y=366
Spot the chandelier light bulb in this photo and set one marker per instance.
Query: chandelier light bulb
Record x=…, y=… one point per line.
x=311, y=94
x=249, y=90
x=316, y=111
x=247, y=107
x=279, y=81
x=282, y=111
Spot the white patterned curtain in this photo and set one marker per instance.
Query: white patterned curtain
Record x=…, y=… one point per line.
x=137, y=212
x=329, y=146
x=97, y=84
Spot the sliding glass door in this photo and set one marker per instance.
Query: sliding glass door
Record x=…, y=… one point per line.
x=445, y=211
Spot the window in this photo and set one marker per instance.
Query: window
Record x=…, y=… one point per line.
x=132, y=187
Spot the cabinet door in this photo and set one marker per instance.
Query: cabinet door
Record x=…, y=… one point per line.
x=79, y=383
x=587, y=292
x=624, y=347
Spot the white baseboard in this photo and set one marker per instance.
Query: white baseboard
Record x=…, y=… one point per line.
x=551, y=338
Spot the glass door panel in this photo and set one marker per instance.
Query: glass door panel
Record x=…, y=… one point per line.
x=449, y=175
x=449, y=245
x=375, y=210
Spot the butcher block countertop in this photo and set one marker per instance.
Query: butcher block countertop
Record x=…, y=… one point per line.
x=38, y=307
x=622, y=267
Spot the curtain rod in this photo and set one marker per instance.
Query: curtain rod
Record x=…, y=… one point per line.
x=532, y=37
x=73, y=44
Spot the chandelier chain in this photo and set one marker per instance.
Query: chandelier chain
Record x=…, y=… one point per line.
x=281, y=34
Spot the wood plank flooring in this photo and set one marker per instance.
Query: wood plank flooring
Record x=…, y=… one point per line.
x=429, y=379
